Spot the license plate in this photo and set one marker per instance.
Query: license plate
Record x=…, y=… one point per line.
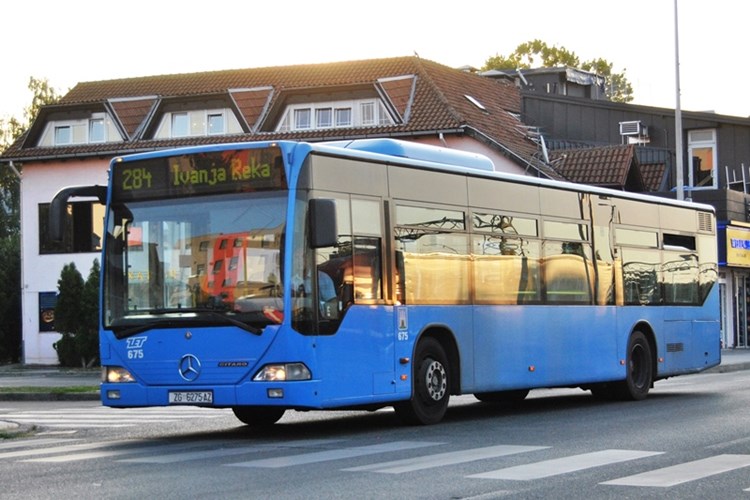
x=190, y=397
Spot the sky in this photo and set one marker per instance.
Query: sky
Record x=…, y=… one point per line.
x=84, y=40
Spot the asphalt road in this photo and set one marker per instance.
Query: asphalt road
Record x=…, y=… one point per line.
x=689, y=439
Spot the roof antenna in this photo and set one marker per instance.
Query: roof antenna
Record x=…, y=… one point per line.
x=523, y=78
x=544, y=149
x=415, y=53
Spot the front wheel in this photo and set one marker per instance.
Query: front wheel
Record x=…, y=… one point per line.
x=431, y=386
x=258, y=416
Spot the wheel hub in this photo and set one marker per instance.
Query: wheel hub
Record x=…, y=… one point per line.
x=437, y=381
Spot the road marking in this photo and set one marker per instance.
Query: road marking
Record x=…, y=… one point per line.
x=170, y=458
x=58, y=449
x=338, y=454
x=21, y=443
x=547, y=468
x=103, y=417
x=123, y=450
x=683, y=473
x=442, y=459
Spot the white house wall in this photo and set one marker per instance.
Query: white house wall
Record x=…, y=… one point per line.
x=40, y=273
x=502, y=163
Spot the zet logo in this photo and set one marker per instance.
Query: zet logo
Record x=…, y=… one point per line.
x=136, y=342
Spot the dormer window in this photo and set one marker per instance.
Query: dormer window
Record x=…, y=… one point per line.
x=196, y=123
x=63, y=135
x=334, y=114
x=180, y=125
x=65, y=131
x=216, y=124
x=97, y=133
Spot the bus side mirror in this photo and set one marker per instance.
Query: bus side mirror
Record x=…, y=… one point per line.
x=322, y=215
x=58, y=208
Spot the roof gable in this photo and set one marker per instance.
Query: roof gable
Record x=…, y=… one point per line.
x=132, y=112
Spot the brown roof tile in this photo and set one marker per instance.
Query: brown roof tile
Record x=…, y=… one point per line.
x=432, y=98
x=607, y=166
x=132, y=112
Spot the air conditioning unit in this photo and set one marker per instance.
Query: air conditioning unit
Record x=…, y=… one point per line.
x=634, y=128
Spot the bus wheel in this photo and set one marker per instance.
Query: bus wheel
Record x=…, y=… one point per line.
x=639, y=365
x=431, y=391
x=258, y=416
x=507, y=397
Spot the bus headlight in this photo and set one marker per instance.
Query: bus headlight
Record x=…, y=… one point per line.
x=283, y=372
x=116, y=375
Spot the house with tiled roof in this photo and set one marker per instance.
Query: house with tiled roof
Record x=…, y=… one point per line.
x=71, y=142
x=614, y=167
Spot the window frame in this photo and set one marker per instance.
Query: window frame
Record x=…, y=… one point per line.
x=696, y=143
x=369, y=112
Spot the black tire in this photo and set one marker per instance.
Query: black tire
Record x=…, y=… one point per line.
x=639, y=375
x=258, y=416
x=431, y=386
x=505, y=397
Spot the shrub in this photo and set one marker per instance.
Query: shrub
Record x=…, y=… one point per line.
x=76, y=317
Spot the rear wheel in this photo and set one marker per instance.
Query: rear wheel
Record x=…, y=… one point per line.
x=431, y=391
x=640, y=370
x=258, y=416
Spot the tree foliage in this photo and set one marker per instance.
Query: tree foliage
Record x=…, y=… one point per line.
x=76, y=316
x=10, y=299
x=536, y=54
x=10, y=242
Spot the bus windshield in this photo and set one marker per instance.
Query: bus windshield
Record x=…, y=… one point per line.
x=209, y=259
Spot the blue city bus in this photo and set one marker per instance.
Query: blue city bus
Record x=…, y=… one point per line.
x=274, y=276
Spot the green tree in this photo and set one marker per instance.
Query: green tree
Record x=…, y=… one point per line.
x=537, y=53
x=76, y=316
x=10, y=248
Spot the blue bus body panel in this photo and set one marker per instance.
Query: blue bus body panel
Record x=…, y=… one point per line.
x=499, y=348
x=537, y=346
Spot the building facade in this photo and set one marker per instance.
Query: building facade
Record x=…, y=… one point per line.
x=71, y=142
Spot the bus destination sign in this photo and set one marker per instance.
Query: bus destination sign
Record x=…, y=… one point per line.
x=232, y=171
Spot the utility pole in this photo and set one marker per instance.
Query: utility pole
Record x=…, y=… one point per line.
x=679, y=179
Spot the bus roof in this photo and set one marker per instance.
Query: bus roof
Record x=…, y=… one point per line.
x=418, y=151
x=447, y=160
x=422, y=156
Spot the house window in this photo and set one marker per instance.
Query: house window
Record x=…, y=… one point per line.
x=367, y=113
x=702, y=158
x=324, y=117
x=302, y=119
x=216, y=123
x=343, y=117
x=180, y=125
x=96, y=130
x=321, y=115
x=63, y=135
x=84, y=227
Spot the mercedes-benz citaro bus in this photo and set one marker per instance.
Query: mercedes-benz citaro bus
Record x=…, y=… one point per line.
x=274, y=276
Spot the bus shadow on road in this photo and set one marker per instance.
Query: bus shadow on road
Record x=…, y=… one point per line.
x=542, y=407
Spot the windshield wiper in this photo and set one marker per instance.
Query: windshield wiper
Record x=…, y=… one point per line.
x=175, y=322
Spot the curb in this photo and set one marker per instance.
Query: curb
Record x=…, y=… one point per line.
x=736, y=367
x=49, y=396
